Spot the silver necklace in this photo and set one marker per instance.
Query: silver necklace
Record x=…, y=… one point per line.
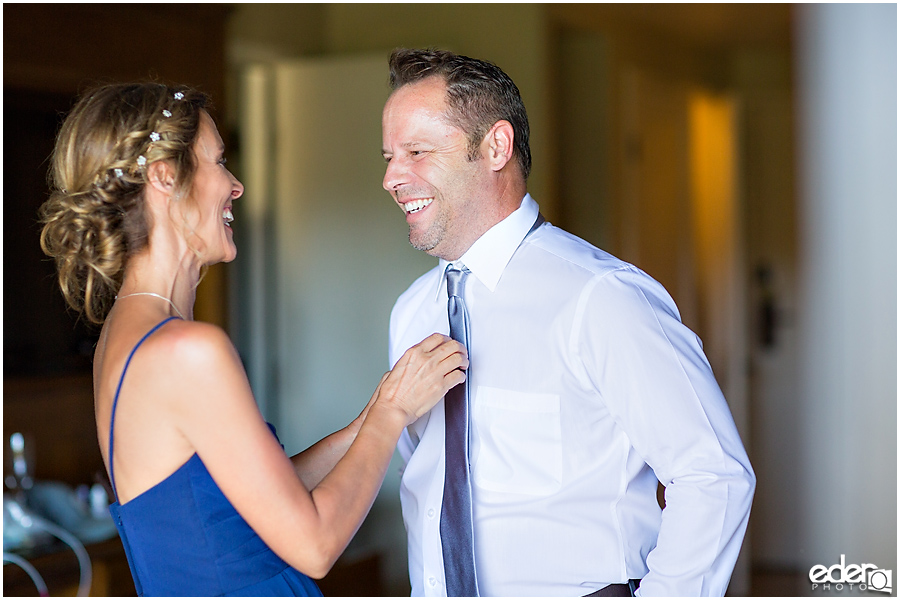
x=155, y=296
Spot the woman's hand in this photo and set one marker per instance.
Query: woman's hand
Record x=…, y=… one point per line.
x=423, y=375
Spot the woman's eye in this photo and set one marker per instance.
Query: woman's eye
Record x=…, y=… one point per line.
x=222, y=161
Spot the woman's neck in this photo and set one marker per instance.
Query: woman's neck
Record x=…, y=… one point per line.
x=158, y=274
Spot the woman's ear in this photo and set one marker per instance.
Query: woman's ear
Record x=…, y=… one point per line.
x=500, y=144
x=161, y=176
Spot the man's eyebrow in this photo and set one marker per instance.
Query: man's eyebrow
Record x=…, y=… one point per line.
x=405, y=146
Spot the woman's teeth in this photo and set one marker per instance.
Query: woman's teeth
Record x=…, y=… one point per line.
x=227, y=216
x=417, y=205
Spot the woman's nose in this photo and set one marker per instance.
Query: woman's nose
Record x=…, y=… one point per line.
x=237, y=189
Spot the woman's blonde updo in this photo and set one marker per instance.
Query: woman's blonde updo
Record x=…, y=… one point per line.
x=94, y=219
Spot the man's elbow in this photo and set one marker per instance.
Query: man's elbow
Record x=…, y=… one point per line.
x=747, y=483
x=750, y=476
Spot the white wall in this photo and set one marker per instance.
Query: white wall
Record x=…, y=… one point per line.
x=847, y=86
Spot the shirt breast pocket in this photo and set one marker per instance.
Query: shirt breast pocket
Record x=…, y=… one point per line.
x=517, y=442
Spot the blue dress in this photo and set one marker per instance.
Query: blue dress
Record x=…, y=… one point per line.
x=182, y=537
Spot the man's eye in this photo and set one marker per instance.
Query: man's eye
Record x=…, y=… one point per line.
x=222, y=161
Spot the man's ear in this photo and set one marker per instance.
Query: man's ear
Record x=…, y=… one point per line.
x=161, y=176
x=500, y=144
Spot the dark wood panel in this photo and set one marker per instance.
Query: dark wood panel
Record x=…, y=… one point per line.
x=56, y=416
x=64, y=48
x=52, y=52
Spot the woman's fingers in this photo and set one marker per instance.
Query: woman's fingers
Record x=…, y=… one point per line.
x=431, y=342
x=453, y=379
x=424, y=374
x=458, y=358
x=436, y=351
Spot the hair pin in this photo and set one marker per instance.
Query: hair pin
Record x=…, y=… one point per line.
x=118, y=172
x=141, y=160
x=154, y=137
x=166, y=113
x=179, y=96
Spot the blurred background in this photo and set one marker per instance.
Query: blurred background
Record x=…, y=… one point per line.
x=745, y=155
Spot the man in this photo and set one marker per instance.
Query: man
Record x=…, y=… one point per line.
x=584, y=387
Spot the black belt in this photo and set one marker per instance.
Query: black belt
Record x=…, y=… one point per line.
x=618, y=589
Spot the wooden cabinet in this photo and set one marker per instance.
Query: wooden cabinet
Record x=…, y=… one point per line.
x=60, y=571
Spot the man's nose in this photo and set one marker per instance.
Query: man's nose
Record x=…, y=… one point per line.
x=395, y=175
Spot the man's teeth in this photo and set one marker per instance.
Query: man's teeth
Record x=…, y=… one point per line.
x=227, y=216
x=417, y=205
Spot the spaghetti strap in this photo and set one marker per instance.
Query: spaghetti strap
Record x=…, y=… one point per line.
x=112, y=420
x=183, y=537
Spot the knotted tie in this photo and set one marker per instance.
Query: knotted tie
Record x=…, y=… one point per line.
x=457, y=537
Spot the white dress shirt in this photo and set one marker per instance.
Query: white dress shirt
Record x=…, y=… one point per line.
x=586, y=388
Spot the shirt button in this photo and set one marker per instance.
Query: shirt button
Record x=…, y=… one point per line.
x=430, y=513
x=432, y=581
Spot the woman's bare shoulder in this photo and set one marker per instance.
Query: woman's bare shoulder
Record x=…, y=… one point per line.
x=202, y=365
x=193, y=343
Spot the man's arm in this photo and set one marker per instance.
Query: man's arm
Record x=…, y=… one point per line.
x=651, y=373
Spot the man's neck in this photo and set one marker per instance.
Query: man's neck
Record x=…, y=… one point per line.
x=508, y=204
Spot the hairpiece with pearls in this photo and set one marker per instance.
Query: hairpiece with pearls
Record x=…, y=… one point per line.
x=154, y=136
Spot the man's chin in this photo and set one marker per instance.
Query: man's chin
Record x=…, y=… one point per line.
x=426, y=248
x=422, y=242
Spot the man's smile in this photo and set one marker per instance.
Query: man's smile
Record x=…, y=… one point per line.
x=415, y=206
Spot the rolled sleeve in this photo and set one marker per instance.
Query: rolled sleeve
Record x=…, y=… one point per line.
x=651, y=373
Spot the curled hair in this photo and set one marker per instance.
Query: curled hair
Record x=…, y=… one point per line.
x=94, y=219
x=479, y=94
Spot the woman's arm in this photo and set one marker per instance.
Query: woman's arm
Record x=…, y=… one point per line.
x=314, y=463
x=215, y=410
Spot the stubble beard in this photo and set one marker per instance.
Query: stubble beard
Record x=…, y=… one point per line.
x=427, y=240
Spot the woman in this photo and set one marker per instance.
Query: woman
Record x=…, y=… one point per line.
x=207, y=502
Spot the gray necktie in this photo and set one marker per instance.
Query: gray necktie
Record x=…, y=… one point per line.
x=457, y=536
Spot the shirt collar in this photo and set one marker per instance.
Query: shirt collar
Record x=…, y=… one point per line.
x=489, y=255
